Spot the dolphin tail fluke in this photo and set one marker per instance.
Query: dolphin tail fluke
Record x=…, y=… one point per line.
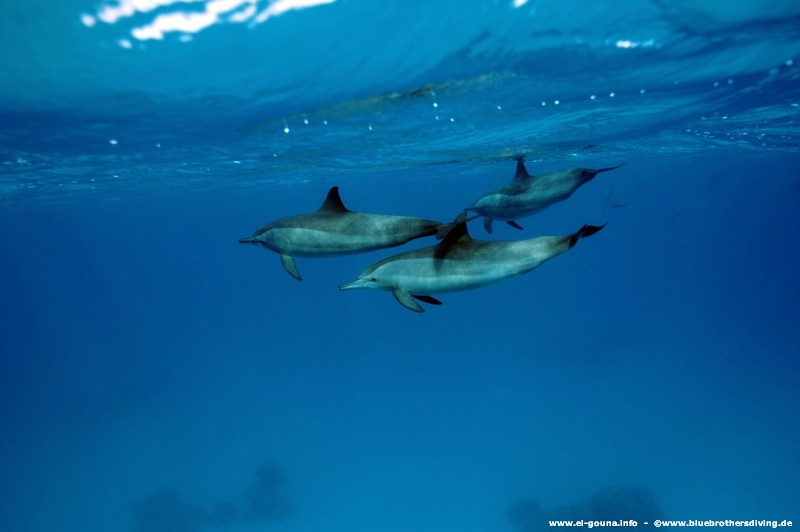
x=586, y=230
x=444, y=229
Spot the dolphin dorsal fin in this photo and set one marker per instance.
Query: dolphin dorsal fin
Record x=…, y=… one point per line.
x=333, y=203
x=458, y=234
x=522, y=172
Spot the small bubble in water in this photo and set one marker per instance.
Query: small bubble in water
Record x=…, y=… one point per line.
x=612, y=94
x=452, y=119
x=789, y=62
x=592, y=97
x=325, y=122
x=730, y=81
x=557, y=102
x=544, y=103
x=499, y=107
x=641, y=91
x=370, y=127
x=435, y=104
x=113, y=142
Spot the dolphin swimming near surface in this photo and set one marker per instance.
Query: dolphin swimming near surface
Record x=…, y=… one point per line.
x=335, y=230
x=528, y=194
x=460, y=263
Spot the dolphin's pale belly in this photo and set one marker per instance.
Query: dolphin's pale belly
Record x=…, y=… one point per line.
x=315, y=242
x=344, y=234
x=476, y=266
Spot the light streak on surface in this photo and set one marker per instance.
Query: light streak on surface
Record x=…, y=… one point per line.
x=188, y=17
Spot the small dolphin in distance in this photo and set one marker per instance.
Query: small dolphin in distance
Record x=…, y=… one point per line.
x=335, y=230
x=528, y=194
x=460, y=263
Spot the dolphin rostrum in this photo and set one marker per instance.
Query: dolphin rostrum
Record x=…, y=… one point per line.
x=335, y=230
x=528, y=194
x=459, y=263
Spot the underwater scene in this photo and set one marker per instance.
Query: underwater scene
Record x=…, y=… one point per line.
x=348, y=265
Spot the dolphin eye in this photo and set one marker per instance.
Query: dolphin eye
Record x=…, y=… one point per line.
x=373, y=279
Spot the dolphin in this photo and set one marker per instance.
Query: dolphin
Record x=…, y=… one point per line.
x=460, y=263
x=335, y=230
x=528, y=194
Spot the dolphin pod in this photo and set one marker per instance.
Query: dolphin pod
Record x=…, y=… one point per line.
x=458, y=262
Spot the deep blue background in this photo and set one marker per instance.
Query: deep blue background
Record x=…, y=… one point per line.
x=144, y=349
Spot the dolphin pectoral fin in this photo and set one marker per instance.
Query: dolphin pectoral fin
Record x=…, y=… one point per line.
x=514, y=224
x=487, y=223
x=407, y=300
x=288, y=264
x=586, y=230
x=427, y=299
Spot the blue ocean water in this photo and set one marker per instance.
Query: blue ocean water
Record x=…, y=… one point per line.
x=155, y=375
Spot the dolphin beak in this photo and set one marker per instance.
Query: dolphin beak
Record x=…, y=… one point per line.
x=248, y=240
x=607, y=169
x=358, y=283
